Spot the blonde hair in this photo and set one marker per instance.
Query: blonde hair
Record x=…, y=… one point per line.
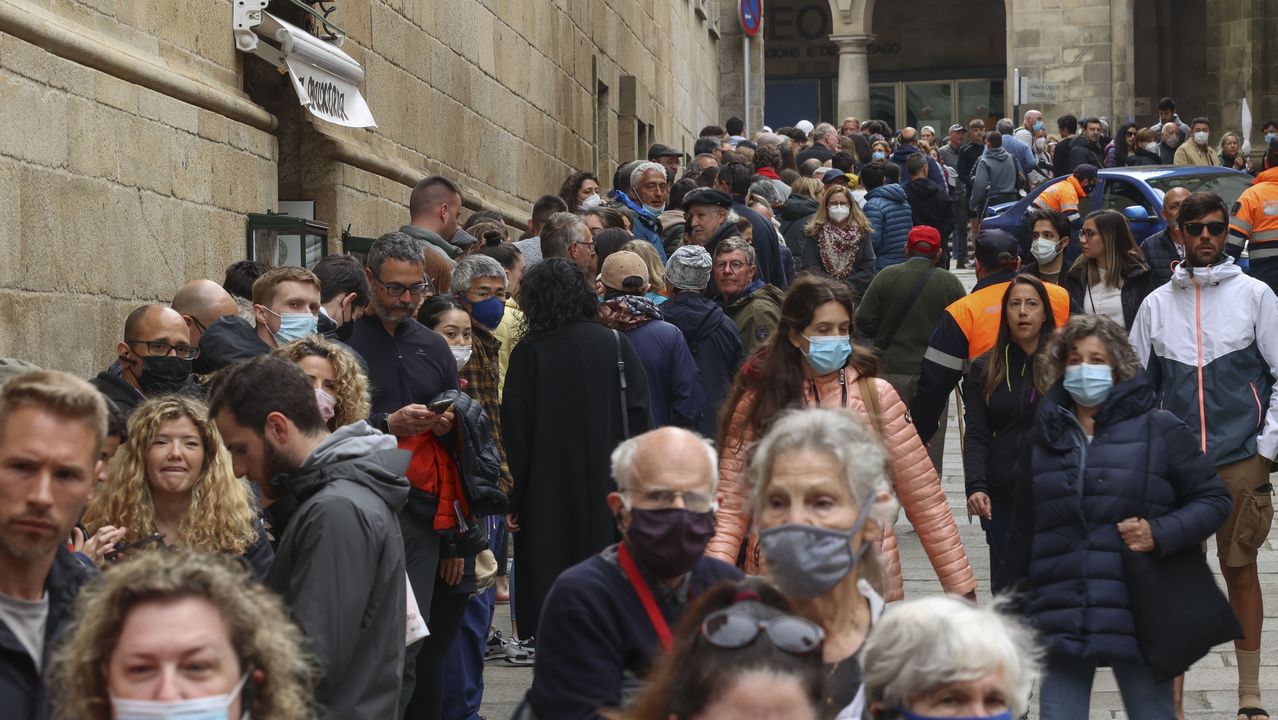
x=857, y=217
x=656, y=271
x=221, y=515
x=60, y=394
x=351, y=384
x=264, y=287
x=259, y=629
x=809, y=186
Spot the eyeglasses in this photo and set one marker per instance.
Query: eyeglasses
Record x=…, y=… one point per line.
x=730, y=629
x=589, y=245
x=163, y=347
x=1088, y=233
x=730, y=265
x=1131, y=133
x=398, y=289
x=1215, y=227
x=662, y=499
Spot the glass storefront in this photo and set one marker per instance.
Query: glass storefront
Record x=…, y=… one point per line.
x=938, y=103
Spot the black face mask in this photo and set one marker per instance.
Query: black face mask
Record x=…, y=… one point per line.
x=669, y=542
x=163, y=374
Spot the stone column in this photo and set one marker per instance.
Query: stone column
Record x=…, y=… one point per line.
x=854, y=76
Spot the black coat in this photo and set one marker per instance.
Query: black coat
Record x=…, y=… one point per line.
x=1137, y=283
x=797, y=212
x=1160, y=250
x=1000, y=431
x=561, y=418
x=1084, y=152
x=478, y=460
x=1060, y=157
x=1064, y=540
x=412, y=367
x=230, y=339
x=715, y=345
x=1141, y=156
x=22, y=691
x=930, y=204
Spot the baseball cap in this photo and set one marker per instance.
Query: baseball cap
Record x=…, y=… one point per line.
x=659, y=151
x=625, y=271
x=804, y=125
x=956, y=128
x=1085, y=172
x=923, y=239
x=996, y=247
x=834, y=175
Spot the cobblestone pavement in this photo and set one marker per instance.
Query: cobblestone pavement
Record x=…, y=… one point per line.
x=1210, y=686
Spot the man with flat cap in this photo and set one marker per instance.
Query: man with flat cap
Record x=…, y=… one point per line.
x=668, y=157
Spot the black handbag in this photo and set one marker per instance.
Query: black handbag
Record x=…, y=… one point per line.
x=1180, y=612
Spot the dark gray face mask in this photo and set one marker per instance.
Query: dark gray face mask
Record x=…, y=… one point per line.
x=808, y=561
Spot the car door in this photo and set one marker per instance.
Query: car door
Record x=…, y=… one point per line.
x=1135, y=201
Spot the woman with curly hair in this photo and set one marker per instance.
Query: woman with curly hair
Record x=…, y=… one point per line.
x=562, y=414
x=341, y=387
x=180, y=623
x=837, y=241
x=173, y=477
x=580, y=191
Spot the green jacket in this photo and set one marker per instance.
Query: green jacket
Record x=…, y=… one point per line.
x=756, y=314
x=888, y=295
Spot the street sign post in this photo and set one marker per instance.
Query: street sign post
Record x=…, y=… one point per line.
x=751, y=14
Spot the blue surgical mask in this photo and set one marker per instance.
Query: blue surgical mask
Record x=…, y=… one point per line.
x=294, y=326
x=1270, y=137
x=827, y=353
x=1088, y=384
x=212, y=707
x=488, y=312
x=655, y=210
x=877, y=155
x=907, y=715
x=1038, y=126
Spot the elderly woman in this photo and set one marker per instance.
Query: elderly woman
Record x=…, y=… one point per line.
x=810, y=362
x=173, y=478
x=943, y=657
x=821, y=502
x=1109, y=471
x=180, y=634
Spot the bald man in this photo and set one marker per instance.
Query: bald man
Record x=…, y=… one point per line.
x=1164, y=249
x=201, y=303
x=595, y=638
x=153, y=359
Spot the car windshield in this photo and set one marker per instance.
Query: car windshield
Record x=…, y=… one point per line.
x=1227, y=185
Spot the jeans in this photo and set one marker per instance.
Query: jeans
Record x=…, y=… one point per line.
x=1066, y=691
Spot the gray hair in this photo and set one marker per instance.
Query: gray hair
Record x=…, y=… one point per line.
x=472, y=268
x=1005, y=126
x=920, y=645
x=730, y=244
x=767, y=191
x=1051, y=363
x=623, y=457
x=770, y=138
x=840, y=435
x=820, y=131
x=644, y=167
x=560, y=231
x=395, y=246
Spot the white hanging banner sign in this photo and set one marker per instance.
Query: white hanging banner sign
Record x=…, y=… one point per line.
x=327, y=96
x=1246, y=128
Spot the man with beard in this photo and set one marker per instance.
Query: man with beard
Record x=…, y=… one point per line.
x=596, y=638
x=154, y=358
x=52, y=427
x=339, y=565
x=409, y=366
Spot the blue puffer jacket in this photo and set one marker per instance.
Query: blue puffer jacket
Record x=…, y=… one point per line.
x=887, y=207
x=1064, y=540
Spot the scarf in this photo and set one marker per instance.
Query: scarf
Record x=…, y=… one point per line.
x=839, y=247
x=768, y=173
x=627, y=312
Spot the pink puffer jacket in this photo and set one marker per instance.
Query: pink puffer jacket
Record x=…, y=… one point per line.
x=915, y=481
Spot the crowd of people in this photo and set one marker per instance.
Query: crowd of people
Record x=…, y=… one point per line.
x=673, y=425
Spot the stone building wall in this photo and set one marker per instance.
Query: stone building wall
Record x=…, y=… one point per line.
x=134, y=138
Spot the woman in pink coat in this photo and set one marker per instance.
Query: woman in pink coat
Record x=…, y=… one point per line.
x=810, y=362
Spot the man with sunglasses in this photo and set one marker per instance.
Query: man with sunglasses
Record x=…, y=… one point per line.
x=607, y=619
x=409, y=365
x=153, y=359
x=1209, y=340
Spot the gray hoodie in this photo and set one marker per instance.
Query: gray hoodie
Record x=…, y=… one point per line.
x=340, y=568
x=996, y=173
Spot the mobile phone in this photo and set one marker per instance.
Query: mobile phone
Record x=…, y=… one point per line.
x=440, y=406
x=114, y=553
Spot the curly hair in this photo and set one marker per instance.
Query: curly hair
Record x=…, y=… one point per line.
x=353, y=396
x=656, y=271
x=1050, y=364
x=554, y=294
x=572, y=186
x=221, y=515
x=261, y=633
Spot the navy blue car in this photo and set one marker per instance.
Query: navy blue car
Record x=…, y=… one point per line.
x=1136, y=192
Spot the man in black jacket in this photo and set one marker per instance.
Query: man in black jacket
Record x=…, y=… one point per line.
x=340, y=564
x=1164, y=249
x=154, y=358
x=1085, y=149
x=929, y=203
x=1067, y=125
x=52, y=427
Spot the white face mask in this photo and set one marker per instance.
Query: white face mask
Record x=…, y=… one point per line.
x=1040, y=143
x=838, y=213
x=1044, y=250
x=1200, y=137
x=591, y=200
x=1152, y=147
x=461, y=353
x=212, y=707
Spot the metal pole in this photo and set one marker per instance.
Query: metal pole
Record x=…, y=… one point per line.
x=746, y=76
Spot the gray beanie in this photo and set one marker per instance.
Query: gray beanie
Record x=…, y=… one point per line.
x=689, y=268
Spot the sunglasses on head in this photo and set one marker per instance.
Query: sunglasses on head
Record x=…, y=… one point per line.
x=731, y=629
x=1215, y=227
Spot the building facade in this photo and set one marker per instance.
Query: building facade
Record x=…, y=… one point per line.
x=135, y=139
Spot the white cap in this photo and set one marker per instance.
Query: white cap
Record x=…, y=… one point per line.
x=804, y=125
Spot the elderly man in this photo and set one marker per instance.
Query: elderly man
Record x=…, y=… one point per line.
x=52, y=428
x=755, y=306
x=608, y=618
x=1169, y=139
x=909, y=138
x=1032, y=124
x=201, y=303
x=709, y=215
x=1164, y=249
x=154, y=358
x=644, y=201
x=566, y=235
x=825, y=142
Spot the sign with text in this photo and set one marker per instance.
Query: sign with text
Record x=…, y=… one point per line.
x=1039, y=91
x=327, y=96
